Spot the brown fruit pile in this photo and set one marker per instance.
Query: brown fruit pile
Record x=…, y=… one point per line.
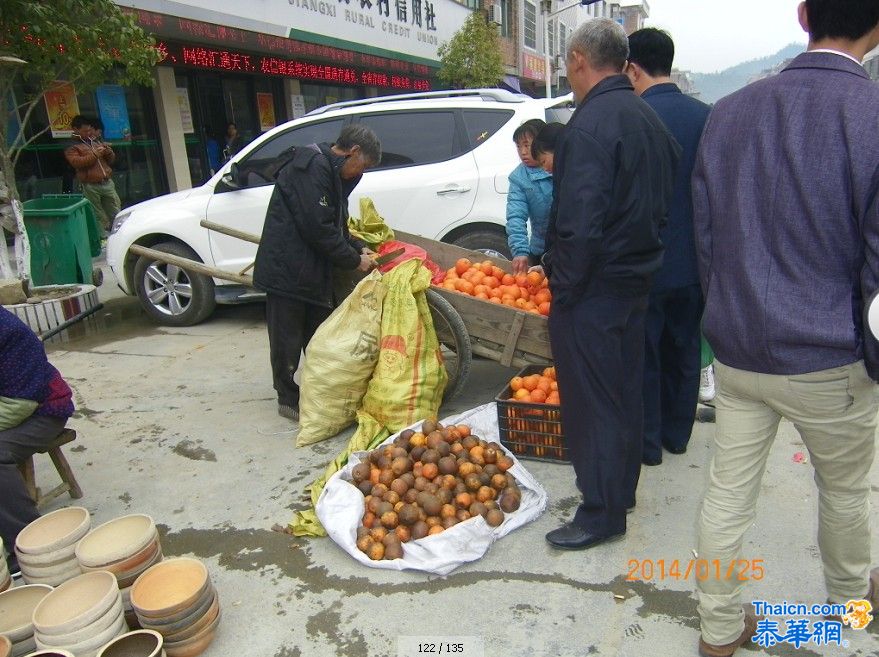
x=427, y=481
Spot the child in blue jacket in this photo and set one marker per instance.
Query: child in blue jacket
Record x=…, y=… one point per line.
x=530, y=198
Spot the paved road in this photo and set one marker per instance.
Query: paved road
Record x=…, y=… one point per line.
x=181, y=424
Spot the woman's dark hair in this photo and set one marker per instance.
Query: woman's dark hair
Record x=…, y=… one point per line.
x=546, y=139
x=841, y=19
x=528, y=129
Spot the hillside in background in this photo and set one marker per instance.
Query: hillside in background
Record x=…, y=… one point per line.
x=714, y=86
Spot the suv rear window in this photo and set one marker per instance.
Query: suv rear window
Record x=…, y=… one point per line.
x=412, y=138
x=482, y=124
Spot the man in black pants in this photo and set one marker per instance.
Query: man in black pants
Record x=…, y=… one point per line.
x=674, y=312
x=35, y=403
x=304, y=237
x=613, y=178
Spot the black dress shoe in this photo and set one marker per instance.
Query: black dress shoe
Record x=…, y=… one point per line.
x=651, y=460
x=571, y=537
x=676, y=450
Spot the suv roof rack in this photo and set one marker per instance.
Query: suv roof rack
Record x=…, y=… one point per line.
x=497, y=95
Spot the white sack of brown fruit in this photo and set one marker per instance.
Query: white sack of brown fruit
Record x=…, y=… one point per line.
x=380, y=527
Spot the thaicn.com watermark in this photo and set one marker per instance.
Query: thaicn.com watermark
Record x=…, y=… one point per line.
x=820, y=624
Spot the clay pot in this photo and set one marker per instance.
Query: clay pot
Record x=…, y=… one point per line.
x=91, y=645
x=206, y=619
x=141, y=643
x=76, y=603
x=110, y=618
x=51, y=653
x=194, y=645
x=57, y=573
x=127, y=579
x=54, y=531
x=61, y=555
x=182, y=620
x=16, y=609
x=118, y=542
x=5, y=644
x=169, y=587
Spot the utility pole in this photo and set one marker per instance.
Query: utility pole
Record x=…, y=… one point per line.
x=546, y=10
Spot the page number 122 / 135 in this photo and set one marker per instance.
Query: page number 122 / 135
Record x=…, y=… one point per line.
x=456, y=646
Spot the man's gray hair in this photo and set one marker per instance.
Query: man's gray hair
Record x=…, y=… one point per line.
x=358, y=134
x=601, y=41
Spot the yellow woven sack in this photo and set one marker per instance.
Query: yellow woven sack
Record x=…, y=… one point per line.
x=370, y=227
x=339, y=362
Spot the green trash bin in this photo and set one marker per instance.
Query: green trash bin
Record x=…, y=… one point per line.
x=91, y=221
x=58, y=230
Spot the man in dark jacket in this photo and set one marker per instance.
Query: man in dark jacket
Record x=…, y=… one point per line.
x=304, y=237
x=613, y=178
x=672, y=356
x=786, y=200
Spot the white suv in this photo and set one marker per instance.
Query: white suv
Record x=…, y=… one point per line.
x=443, y=175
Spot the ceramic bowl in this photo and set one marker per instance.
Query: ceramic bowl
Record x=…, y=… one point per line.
x=5, y=646
x=16, y=609
x=183, y=618
x=117, y=540
x=136, y=561
x=91, y=645
x=198, y=625
x=53, y=580
x=76, y=603
x=50, y=571
x=169, y=587
x=54, y=530
x=6, y=584
x=60, y=555
x=51, y=653
x=24, y=647
x=127, y=579
x=83, y=634
x=140, y=643
x=194, y=645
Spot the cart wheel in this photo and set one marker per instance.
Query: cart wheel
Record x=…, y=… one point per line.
x=97, y=276
x=455, y=342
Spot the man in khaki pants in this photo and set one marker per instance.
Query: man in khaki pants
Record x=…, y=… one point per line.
x=91, y=158
x=786, y=203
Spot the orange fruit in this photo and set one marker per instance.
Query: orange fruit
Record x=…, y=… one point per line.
x=549, y=372
x=497, y=272
x=477, y=277
x=538, y=396
x=515, y=383
x=542, y=295
x=452, y=273
x=464, y=286
x=509, y=301
x=530, y=382
x=481, y=295
x=522, y=395
x=487, y=266
x=521, y=279
x=554, y=386
x=495, y=293
x=553, y=398
x=462, y=265
x=495, y=300
x=449, y=285
x=544, y=384
x=543, y=308
x=521, y=303
x=480, y=289
x=508, y=279
x=491, y=281
x=534, y=278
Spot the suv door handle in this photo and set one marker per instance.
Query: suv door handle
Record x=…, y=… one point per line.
x=453, y=190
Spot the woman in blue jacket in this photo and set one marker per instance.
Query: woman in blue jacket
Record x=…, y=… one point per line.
x=530, y=198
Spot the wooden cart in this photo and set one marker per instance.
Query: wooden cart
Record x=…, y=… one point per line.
x=465, y=325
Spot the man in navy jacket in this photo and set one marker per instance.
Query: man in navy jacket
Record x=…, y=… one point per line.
x=674, y=313
x=786, y=198
x=613, y=178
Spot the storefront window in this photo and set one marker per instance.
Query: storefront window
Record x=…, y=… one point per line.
x=138, y=171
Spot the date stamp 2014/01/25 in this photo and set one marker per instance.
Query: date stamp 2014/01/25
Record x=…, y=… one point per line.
x=647, y=570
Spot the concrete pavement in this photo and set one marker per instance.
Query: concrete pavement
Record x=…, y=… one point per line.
x=181, y=424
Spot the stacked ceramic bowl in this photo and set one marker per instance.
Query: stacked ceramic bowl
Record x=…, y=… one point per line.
x=126, y=547
x=16, y=610
x=177, y=599
x=5, y=577
x=51, y=653
x=5, y=647
x=81, y=615
x=46, y=548
x=140, y=643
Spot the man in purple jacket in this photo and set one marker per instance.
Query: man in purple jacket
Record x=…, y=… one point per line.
x=35, y=403
x=786, y=200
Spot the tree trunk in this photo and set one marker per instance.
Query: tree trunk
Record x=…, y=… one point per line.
x=12, y=220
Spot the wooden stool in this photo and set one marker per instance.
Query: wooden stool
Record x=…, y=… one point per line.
x=68, y=480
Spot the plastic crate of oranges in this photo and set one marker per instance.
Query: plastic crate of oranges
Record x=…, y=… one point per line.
x=529, y=416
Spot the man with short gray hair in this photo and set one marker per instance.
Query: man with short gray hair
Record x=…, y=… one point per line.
x=612, y=186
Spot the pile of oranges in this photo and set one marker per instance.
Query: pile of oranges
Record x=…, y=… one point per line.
x=485, y=280
x=536, y=388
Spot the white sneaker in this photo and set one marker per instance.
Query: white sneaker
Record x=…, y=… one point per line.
x=706, y=385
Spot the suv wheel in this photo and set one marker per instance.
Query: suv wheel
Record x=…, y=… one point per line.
x=490, y=242
x=170, y=295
